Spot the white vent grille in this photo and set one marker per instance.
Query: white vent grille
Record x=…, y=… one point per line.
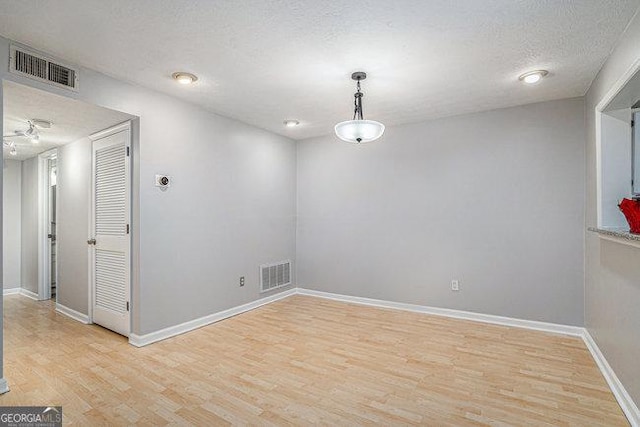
x=110, y=280
x=29, y=64
x=38, y=67
x=61, y=75
x=274, y=276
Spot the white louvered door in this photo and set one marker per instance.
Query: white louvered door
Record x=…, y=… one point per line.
x=110, y=258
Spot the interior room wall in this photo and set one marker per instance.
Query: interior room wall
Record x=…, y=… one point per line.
x=73, y=192
x=612, y=282
x=29, y=225
x=231, y=206
x=11, y=223
x=493, y=199
x=3, y=381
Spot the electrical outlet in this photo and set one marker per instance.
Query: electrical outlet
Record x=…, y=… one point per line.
x=241, y=281
x=455, y=285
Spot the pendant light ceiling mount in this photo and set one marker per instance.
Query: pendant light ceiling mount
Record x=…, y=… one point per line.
x=359, y=130
x=359, y=75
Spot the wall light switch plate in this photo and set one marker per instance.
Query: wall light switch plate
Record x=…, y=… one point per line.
x=455, y=285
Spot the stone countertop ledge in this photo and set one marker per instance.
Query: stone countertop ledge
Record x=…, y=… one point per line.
x=617, y=235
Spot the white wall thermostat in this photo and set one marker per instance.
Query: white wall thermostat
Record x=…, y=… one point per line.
x=163, y=181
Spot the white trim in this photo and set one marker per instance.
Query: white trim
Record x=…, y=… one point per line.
x=604, y=102
x=111, y=131
x=44, y=246
x=620, y=393
x=457, y=314
x=75, y=315
x=142, y=340
x=11, y=291
x=4, y=387
x=27, y=293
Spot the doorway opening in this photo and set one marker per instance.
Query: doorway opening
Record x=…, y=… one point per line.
x=63, y=183
x=53, y=268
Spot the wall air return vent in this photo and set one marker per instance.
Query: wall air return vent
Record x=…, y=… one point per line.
x=274, y=276
x=41, y=68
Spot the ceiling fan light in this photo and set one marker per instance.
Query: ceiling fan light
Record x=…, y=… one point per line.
x=359, y=131
x=11, y=146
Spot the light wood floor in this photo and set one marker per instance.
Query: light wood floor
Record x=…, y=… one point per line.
x=303, y=361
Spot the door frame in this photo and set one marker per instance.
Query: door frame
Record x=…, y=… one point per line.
x=44, y=247
x=90, y=249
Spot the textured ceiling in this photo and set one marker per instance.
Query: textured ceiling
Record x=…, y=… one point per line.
x=264, y=61
x=71, y=119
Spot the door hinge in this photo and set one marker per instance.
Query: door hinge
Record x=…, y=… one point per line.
x=127, y=228
x=127, y=305
x=127, y=151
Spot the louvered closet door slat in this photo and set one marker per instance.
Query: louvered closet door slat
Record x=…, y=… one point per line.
x=110, y=190
x=110, y=280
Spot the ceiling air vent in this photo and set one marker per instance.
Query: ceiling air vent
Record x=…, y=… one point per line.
x=61, y=75
x=39, y=67
x=274, y=276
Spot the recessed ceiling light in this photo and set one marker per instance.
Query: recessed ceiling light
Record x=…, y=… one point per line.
x=184, y=78
x=291, y=123
x=533, y=77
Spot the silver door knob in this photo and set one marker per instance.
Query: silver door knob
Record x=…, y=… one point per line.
x=91, y=241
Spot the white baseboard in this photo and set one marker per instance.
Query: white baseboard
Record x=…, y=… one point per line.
x=20, y=291
x=619, y=392
x=457, y=314
x=75, y=315
x=142, y=340
x=27, y=293
x=4, y=387
x=625, y=401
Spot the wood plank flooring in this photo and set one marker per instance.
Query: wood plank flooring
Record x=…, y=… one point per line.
x=305, y=361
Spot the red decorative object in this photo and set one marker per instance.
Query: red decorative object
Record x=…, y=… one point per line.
x=631, y=211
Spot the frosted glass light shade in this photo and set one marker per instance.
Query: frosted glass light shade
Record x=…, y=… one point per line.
x=357, y=131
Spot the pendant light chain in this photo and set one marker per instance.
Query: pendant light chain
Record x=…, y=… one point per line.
x=357, y=103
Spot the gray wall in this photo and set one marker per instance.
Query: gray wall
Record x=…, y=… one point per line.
x=2, y=379
x=11, y=220
x=495, y=200
x=73, y=187
x=612, y=283
x=29, y=264
x=231, y=208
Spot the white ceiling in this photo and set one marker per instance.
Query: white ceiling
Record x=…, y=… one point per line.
x=264, y=61
x=71, y=119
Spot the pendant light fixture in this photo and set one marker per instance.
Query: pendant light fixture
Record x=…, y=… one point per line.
x=359, y=130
